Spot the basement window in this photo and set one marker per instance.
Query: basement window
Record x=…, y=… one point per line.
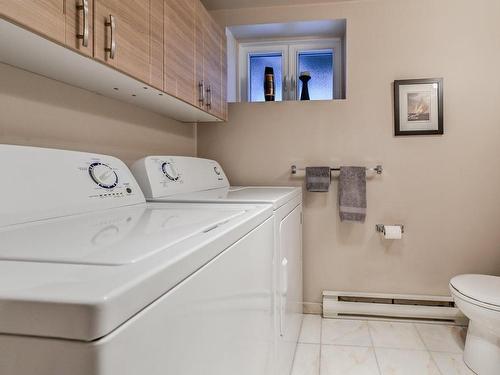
x=287, y=49
x=320, y=64
x=320, y=58
x=257, y=62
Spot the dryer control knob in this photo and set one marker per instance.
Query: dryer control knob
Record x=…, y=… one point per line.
x=169, y=171
x=103, y=175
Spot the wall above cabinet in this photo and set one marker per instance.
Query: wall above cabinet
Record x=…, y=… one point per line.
x=111, y=63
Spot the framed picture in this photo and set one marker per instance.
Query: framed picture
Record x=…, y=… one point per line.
x=418, y=106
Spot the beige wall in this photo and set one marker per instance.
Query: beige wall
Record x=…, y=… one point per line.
x=38, y=111
x=445, y=189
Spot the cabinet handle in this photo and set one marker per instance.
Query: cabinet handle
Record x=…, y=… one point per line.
x=209, y=97
x=85, y=15
x=112, y=25
x=201, y=93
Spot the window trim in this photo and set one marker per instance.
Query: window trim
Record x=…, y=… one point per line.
x=289, y=50
x=245, y=50
x=334, y=45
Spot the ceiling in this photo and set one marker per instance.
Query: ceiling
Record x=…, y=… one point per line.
x=235, y=4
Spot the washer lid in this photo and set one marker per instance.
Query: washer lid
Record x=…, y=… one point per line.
x=111, y=237
x=81, y=277
x=482, y=288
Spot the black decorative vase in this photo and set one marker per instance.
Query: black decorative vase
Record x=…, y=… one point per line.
x=269, y=86
x=305, y=77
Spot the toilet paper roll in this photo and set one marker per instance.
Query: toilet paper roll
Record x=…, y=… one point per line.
x=392, y=232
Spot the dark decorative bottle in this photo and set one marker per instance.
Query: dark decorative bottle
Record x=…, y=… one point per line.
x=305, y=77
x=269, y=86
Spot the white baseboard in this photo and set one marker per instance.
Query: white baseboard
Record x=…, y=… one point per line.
x=315, y=308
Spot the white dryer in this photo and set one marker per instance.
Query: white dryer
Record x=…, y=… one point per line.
x=188, y=179
x=95, y=281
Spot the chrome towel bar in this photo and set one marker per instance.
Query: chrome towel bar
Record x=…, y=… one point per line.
x=378, y=169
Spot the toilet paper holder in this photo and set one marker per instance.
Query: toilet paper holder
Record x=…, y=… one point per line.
x=381, y=227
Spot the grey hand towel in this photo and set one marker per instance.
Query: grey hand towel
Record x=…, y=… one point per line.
x=352, y=193
x=318, y=179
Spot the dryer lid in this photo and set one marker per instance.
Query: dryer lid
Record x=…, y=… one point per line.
x=482, y=288
x=275, y=195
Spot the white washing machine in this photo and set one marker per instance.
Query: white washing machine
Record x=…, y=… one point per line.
x=95, y=281
x=187, y=179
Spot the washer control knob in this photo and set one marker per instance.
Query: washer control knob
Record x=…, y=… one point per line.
x=103, y=175
x=169, y=171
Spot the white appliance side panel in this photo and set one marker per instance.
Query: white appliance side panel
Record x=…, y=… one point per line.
x=25, y=355
x=290, y=295
x=161, y=176
x=216, y=322
x=41, y=183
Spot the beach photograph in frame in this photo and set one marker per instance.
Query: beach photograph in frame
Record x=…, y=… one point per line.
x=418, y=106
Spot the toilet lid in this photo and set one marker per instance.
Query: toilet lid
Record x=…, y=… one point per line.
x=482, y=288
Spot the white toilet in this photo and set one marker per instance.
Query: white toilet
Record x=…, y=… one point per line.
x=478, y=297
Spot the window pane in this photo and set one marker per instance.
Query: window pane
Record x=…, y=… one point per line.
x=258, y=63
x=320, y=65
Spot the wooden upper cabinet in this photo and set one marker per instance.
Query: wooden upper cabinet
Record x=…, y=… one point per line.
x=224, y=77
x=80, y=25
x=200, y=16
x=214, y=65
x=179, y=58
x=45, y=17
x=156, y=44
x=173, y=45
x=122, y=36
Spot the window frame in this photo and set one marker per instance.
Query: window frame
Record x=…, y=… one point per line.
x=334, y=45
x=257, y=48
x=289, y=50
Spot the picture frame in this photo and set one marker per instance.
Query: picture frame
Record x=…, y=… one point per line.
x=418, y=107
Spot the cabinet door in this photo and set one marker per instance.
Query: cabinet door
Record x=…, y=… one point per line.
x=122, y=36
x=156, y=44
x=179, y=26
x=200, y=17
x=80, y=25
x=224, y=77
x=46, y=17
x=212, y=66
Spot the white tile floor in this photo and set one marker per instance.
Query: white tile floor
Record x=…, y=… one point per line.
x=358, y=347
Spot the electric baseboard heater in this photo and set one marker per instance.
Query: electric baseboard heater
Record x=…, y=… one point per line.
x=354, y=305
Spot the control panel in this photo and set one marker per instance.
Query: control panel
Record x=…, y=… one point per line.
x=109, y=180
x=61, y=183
x=160, y=176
